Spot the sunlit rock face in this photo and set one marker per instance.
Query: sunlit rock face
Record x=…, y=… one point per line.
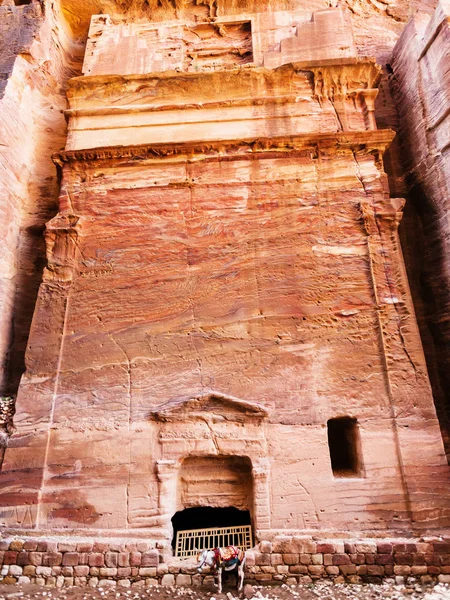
x=377, y=24
x=225, y=297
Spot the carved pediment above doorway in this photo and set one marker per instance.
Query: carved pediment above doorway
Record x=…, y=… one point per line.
x=213, y=406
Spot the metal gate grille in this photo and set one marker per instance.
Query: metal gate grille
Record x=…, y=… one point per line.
x=193, y=541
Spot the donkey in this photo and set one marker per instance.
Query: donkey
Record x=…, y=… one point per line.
x=223, y=559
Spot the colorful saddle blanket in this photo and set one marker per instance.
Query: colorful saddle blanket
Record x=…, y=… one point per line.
x=228, y=557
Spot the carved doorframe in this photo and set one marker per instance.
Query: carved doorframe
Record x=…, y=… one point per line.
x=211, y=425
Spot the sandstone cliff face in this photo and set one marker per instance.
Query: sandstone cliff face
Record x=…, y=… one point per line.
x=17, y=28
x=223, y=276
x=42, y=50
x=420, y=82
x=223, y=279
x=377, y=24
x=34, y=63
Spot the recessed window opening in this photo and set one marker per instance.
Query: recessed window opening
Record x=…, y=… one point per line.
x=21, y=2
x=345, y=447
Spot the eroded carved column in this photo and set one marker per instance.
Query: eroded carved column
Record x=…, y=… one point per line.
x=166, y=472
x=413, y=415
x=261, y=491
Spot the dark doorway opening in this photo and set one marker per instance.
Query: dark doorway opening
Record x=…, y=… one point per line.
x=344, y=445
x=204, y=517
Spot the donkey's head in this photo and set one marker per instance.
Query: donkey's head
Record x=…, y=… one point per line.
x=206, y=560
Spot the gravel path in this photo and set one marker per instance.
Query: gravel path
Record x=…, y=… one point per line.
x=320, y=590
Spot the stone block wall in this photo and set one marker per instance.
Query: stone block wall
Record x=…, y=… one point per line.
x=285, y=559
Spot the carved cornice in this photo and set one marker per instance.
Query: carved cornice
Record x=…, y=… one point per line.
x=246, y=85
x=331, y=81
x=371, y=140
x=88, y=82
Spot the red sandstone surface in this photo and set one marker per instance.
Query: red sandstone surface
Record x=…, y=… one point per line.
x=224, y=282
x=39, y=53
x=263, y=283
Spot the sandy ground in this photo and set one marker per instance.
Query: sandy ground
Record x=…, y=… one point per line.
x=321, y=590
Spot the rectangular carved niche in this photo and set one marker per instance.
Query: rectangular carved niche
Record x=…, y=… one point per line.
x=138, y=48
x=217, y=45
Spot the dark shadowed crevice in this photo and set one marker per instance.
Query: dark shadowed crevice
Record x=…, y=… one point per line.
x=424, y=255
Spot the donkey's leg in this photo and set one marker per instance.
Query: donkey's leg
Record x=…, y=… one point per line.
x=238, y=578
x=241, y=575
x=219, y=579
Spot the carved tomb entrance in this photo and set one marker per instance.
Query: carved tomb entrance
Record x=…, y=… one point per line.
x=213, y=467
x=214, y=492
